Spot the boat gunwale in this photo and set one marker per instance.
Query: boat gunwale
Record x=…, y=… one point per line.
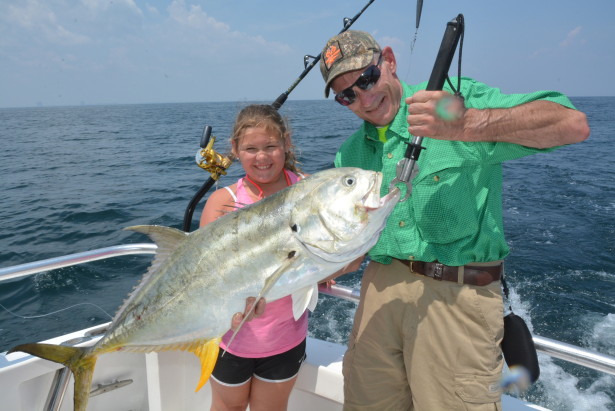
x=553, y=348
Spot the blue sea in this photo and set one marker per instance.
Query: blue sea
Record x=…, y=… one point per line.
x=74, y=177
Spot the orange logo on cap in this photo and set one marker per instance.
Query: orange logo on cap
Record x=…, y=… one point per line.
x=332, y=54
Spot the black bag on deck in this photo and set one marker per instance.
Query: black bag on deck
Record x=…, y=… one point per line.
x=518, y=346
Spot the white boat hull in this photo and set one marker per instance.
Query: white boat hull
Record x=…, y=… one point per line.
x=166, y=381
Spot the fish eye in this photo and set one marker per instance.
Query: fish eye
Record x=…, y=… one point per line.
x=349, y=181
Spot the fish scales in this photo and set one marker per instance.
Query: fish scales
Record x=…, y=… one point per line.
x=234, y=248
x=283, y=245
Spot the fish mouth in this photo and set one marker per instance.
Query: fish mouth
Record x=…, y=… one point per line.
x=372, y=201
x=391, y=196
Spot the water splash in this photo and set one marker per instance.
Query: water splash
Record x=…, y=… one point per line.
x=558, y=388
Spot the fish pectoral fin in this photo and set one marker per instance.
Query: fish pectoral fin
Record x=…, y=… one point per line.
x=208, y=355
x=273, y=278
x=303, y=299
x=269, y=282
x=313, y=299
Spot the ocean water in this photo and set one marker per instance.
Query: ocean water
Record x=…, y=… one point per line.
x=73, y=177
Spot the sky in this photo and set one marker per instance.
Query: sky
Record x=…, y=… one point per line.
x=82, y=52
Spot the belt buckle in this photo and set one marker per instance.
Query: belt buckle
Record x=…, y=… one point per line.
x=438, y=271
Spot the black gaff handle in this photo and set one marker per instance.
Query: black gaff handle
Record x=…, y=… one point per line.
x=454, y=29
x=282, y=97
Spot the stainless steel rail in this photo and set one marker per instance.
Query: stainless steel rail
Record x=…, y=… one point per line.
x=553, y=348
x=557, y=349
x=574, y=354
x=24, y=270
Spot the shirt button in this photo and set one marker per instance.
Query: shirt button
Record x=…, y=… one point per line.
x=390, y=155
x=411, y=258
x=402, y=223
x=436, y=178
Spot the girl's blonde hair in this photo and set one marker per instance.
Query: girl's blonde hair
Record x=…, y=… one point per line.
x=264, y=115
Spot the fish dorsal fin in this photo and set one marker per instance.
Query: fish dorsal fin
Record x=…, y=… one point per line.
x=208, y=355
x=305, y=298
x=166, y=238
x=269, y=282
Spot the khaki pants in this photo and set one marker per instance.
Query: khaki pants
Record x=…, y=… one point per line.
x=423, y=344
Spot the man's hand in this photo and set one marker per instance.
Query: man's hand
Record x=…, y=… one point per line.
x=539, y=124
x=258, y=311
x=436, y=114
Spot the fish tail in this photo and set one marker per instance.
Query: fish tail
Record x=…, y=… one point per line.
x=208, y=354
x=80, y=361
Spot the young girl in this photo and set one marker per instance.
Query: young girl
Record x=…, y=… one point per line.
x=260, y=367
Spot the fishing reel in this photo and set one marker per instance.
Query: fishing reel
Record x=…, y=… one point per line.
x=210, y=160
x=215, y=163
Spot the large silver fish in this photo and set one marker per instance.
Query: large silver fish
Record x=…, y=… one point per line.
x=282, y=245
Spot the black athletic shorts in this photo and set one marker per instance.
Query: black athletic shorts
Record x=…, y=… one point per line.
x=232, y=370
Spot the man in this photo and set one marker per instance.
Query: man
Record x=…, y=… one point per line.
x=429, y=324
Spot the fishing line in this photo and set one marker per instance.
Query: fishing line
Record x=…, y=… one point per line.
x=419, y=9
x=32, y=317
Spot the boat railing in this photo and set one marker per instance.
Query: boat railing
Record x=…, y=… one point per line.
x=553, y=348
x=557, y=349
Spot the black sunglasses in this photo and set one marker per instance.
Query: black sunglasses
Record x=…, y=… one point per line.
x=366, y=81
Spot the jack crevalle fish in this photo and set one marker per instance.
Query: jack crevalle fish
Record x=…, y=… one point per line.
x=282, y=245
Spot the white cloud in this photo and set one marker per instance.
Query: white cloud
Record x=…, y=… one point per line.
x=105, y=5
x=195, y=17
x=88, y=48
x=37, y=19
x=216, y=35
x=152, y=9
x=570, y=38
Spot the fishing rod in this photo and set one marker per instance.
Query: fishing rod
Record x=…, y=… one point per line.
x=439, y=74
x=216, y=163
x=347, y=23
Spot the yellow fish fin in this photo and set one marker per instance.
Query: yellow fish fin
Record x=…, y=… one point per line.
x=208, y=354
x=80, y=361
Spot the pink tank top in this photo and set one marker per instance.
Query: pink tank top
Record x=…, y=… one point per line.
x=276, y=331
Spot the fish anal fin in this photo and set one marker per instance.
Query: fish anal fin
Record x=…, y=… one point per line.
x=208, y=355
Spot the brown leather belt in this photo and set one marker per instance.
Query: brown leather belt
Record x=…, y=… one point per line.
x=472, y=275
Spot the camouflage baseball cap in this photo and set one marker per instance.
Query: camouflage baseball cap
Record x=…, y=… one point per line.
x=348, y=51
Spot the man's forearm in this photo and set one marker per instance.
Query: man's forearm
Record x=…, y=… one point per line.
x=539, y=124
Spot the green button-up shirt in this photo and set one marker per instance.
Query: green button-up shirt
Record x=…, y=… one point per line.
x=454, y=214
